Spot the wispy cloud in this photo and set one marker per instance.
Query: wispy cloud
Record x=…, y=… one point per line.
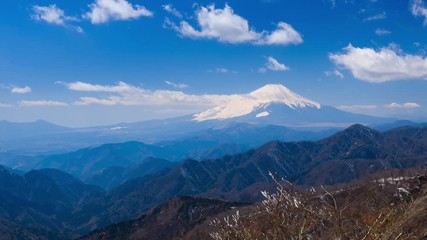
x=386, y=109
x=385, y=64
x=273, y=65
x=226, y=26
x=53, y=15
x=419, y=9
x=382, y=31
x=222, y=70
x=378, y=16
x=176, y=85
x=102, y=11
x=357, y=107
x=41, y=103
x=130, y=95
x=170, y=9
x=120, y=87
x=20, y=90
x=403, y=105
x=85, y=101
x=335, y=73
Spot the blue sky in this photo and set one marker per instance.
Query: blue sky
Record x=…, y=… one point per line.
x=95, y=62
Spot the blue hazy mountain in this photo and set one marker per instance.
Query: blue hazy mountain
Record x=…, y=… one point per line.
x=273, y=104
x=14, y=130
x=113, y=176
x=121, y=158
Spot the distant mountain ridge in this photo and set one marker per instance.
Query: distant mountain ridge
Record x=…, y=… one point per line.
x=13, y=130
x=212, y=143
x=85, y=162
x=273, y=104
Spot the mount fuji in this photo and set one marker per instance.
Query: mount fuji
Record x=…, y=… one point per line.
x=244, y=104
x=277, y=104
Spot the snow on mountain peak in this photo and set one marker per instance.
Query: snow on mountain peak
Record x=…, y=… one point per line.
x=272, y=89
x=240, y=105
x=277, y=93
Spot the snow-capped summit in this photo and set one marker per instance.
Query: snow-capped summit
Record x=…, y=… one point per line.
x=277, y=93
x=244, y=104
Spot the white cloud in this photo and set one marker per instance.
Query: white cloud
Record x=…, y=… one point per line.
x=170, y=9
x=403, y=105
x=220, y=24
x=176, y=85
x=285, y=34
x=362, y=108
x=85, y=101
x=379, y=16
x=385, y=64
x=381, y=31
x=53, y=15
x=226, y=26
x=42, y=103
x=357, y=107
x=50, y=14
x=121, y=87
x=335, y=72
x=102, y=11
x=20, y=90
x=419, y=9
x=130, y=95
x=273, y=65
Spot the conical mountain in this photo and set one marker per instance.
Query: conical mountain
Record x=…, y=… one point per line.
x=277, y=104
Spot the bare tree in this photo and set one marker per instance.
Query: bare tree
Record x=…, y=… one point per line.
x=376, y=209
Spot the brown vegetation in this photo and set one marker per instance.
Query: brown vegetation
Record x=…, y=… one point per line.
x=390, y=207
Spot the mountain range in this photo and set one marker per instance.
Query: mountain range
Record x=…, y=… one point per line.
x=273, y=104
x=199, y=218
x=212, y=143
x=345, y=156
x=64, y=206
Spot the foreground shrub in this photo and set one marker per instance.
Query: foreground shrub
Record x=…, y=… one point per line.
x=375, y=209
